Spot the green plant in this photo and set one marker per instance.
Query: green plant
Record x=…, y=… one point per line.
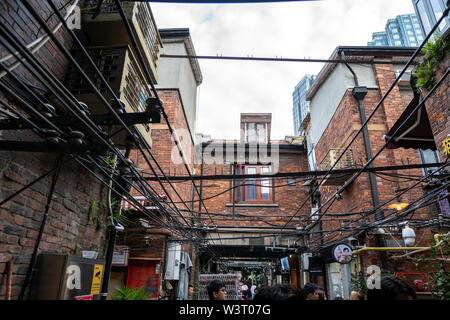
x=124, y=293
x=438, y=276
x=358, y=283
x=92, y=209
x=434, y=52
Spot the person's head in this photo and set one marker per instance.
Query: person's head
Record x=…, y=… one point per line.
x=278, y=292
x=216, y=290
x=338, y=298
x=311, y=291
x=322, y=295
x=392, y=288
x=191, y=290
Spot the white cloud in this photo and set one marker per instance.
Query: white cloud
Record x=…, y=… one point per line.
x=288, y=29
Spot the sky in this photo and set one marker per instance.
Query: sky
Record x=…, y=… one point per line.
x=311, y=29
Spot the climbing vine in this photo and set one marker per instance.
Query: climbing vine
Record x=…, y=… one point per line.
x=434, y=52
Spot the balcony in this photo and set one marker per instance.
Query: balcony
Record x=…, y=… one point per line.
x=108, y=29
x=121, y=70
x=346, y=162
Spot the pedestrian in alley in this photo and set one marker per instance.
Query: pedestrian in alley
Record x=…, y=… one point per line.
x=311, y=291
x=392, y=288
x=322, y=295
x=279, y=292
x=216, y=290
x=191, y=292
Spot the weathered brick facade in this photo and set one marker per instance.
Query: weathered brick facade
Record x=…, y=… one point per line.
x=358, y=197
x=68, y=229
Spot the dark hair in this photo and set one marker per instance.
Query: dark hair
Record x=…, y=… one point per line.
x=338, y=298
x=278, y=292
x=190, y=286
x=309, y=288
x=321, y=294
x=390, y=288
x=214, y=286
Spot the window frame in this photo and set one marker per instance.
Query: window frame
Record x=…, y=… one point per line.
x=241, y=193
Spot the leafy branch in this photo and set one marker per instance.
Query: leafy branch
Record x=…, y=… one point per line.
x=434, y=52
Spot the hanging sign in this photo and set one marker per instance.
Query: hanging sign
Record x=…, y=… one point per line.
x=342, y=253
x=120, y=256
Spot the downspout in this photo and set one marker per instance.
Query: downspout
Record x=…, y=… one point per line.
x=359, y=92
x=112, y=228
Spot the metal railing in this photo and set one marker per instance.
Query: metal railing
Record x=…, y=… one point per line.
x=330, y=159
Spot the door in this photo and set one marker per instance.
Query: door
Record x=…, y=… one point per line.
x=144, y=274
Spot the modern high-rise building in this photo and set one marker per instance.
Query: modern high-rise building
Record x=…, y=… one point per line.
x=429, y=12
x=300, y=108
x=402, y=31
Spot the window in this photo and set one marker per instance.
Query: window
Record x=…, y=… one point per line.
x=256, y=132
x=253, y=189
x=423, y=16
x=428, y=156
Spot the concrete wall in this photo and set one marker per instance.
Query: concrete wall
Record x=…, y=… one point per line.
x=177, y=73
x=324, y=103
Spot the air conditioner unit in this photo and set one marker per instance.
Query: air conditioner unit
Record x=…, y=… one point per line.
x=305, y=260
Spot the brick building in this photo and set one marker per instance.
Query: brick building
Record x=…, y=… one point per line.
x=68, y=229
x=77, y=214
x=247, y=220
x=150, y=244
x=336, y=98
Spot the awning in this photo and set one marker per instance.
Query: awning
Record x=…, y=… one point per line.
x=415, y=133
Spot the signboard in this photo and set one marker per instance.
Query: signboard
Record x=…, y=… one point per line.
x=444, y=206
x=97, y=279
x=120, y=256
x=342, y=253
x=86, y=297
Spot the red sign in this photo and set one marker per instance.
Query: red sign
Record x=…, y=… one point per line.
x=86, y=297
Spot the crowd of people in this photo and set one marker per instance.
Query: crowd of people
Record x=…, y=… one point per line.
x=391, y=288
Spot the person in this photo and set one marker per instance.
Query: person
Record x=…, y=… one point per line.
x=252, y=290
x=311, y=291
x=278, y=292
x=190, y=292
x=322, y=295
x=216, y=290
x=338, y=298
x=392, y=288
x=355, y=295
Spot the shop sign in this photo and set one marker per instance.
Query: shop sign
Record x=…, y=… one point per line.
x=120, y=256
x=342, y=253
x=85, y=297
x=446, y=145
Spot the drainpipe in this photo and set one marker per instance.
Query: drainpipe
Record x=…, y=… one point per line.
x=124, y=181
x=359, y=92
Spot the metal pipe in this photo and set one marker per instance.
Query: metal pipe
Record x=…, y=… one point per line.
x=41, y=229
x=9, y=267
x=358, y=251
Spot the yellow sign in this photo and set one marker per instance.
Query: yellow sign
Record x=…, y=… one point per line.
x=97, y=279
x=446, y=145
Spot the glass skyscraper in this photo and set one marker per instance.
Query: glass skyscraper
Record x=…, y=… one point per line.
x=300, y=108
x=429, y=12
x=403, y=31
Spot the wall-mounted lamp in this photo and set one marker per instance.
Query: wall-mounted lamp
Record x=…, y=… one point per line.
x=399, y=206
x=409, y=236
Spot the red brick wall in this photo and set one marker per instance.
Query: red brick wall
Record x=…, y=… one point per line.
x=438, y=107
x=341, y=129
x=67, y=228
x=287, y=198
